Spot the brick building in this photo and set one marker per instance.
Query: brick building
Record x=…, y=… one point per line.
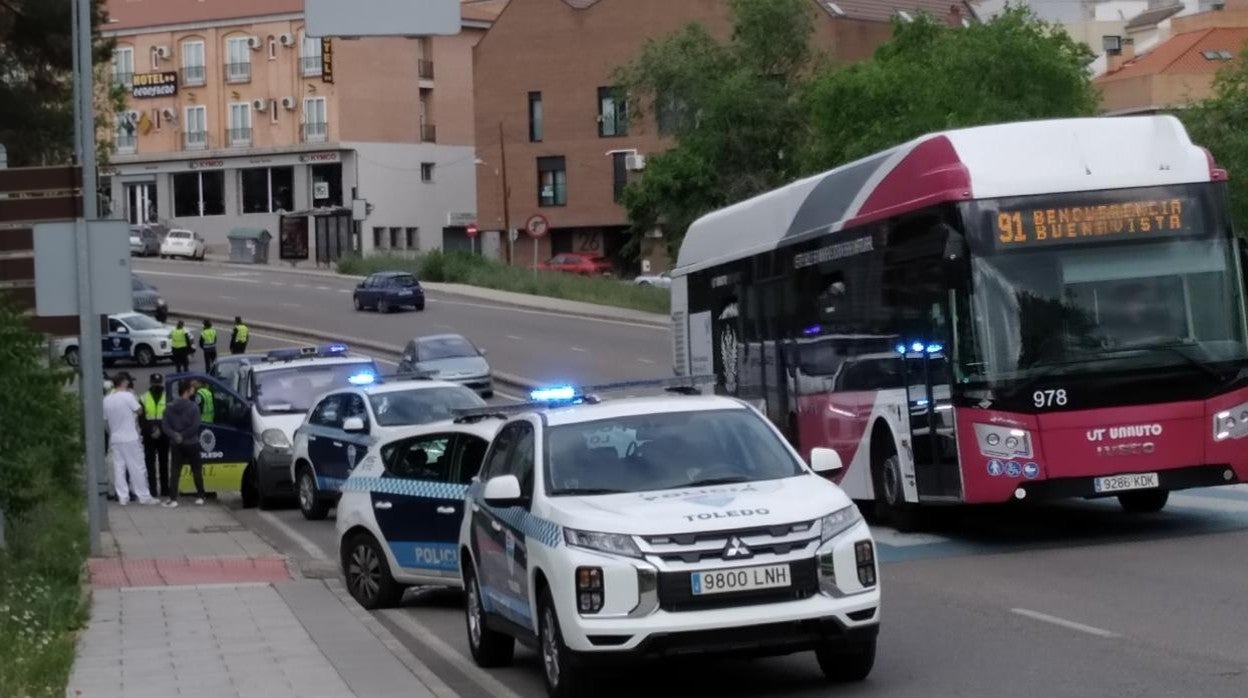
x=545, y=105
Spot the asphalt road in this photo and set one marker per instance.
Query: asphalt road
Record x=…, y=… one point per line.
x=1076, y=599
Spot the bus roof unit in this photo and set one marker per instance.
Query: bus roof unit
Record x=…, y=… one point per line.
x=1014, y=159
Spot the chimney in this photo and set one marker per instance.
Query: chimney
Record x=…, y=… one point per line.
x=1118, y=51
x=955, y=16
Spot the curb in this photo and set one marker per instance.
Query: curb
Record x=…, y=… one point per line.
x=508, y=379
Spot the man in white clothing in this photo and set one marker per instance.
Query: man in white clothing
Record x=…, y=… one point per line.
x=121, y=411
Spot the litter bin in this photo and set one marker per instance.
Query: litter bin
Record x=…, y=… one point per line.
x=249, y=245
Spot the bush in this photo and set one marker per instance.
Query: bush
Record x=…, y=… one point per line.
x=474, y=270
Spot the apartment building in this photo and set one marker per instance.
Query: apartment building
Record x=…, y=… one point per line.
x=569, y=145
x=236, y=118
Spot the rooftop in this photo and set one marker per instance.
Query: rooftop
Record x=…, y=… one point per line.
x=136, y=14
x=1199, y=52
x=1152, y=16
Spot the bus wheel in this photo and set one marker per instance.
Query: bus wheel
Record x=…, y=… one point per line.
x=890, y=497
x=1147, y=502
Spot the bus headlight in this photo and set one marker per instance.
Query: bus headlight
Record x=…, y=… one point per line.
x=1231, y=424
x=1003, y=442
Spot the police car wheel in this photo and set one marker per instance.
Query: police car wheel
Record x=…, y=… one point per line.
x=368, y=574
x=312, y=508
x=564, y=678
x=1147, y=502
x=489, y=648
x=144, y=355
x=845, y=663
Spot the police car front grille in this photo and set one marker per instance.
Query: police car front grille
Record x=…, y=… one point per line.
x=676, y=591
x=680, y=539
x=692, y=548
x=717, y=553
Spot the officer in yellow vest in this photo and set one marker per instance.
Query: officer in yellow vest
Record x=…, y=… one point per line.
x=208, y=342
x=207, y=407
x=180, y=341
x=238, y=340
x=155, y=443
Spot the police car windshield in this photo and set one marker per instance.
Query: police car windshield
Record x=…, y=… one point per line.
x=295, y=389
x=664, y=451
x=421, y=406
x=142, y=322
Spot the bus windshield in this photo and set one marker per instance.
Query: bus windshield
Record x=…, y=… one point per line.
x=1162, y=297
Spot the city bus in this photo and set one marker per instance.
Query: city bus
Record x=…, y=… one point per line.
x=1023, y=311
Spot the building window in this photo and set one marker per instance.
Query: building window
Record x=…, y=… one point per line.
x=396, y=241
x=193, y=72
x=671, y=114
x=612, y=113
x=413, y=238
x=199, y=194
x=240, y=124
x=315, y=120
x=327, y=185
x=238, y=59
x=268, y=189
x=379, y=238
x=196, y=127
x=619, y=175
x=272, y=48
x=426, y=171
x=552, y=182
x=310, y=55
x=123, y=66
x=535, y=117
x=127, y=139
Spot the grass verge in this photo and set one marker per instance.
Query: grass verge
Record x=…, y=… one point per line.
x=473, y=270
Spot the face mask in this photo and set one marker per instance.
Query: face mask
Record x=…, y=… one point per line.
x=157, y=391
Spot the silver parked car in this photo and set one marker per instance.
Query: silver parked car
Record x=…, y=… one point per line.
x=449, y=357
x=144, y=242
x=663, y=280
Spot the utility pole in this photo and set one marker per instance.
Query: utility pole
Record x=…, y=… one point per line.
x=91, y=364
x=511, y=242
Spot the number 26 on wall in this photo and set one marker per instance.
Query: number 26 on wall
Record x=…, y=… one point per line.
x=1010, y=228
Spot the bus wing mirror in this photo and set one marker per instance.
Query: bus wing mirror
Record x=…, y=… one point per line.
x=955, y=245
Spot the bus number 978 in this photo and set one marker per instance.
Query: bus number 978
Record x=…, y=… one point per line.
x=1049, y=398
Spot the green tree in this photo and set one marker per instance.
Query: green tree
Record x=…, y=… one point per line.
x=932, y=77
x=36, y=107
x=733, y=107
x=1217, y=124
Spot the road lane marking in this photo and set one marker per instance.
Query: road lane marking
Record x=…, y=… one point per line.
x=424, y=635
x=324, y=288
x=645, y=361
x=228, y=298
x=175, y=274
x=1069, y=624
x=288, y=304
x=301, y=286
x=302, y=541
x=512, y=336
x=276, y=283
x=577, y=349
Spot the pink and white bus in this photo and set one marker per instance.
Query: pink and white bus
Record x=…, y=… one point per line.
x=1022, y=311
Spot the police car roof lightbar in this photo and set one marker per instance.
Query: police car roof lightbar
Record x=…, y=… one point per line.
x=567, y=395
x=293, y=353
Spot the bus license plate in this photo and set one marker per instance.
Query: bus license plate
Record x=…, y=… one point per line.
x=742, y=579
x=1122, y=483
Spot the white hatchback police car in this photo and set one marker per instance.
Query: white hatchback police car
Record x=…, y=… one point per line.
x=650, y=527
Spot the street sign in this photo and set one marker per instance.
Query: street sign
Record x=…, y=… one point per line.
x=536, y=226
x=471, y=230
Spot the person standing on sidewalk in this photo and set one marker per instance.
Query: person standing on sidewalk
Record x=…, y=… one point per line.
x=180, y=342
x=121, y=412
x=155, y=443
x=182, y=424
x=238, y=339
x=208, y=342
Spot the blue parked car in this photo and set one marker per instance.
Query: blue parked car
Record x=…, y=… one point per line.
x=389, y=290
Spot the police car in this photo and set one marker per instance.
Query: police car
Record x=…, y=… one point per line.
x=659, y=526
x=257, y=408
x=344, y=423
x=400, y=509
x=131, y=337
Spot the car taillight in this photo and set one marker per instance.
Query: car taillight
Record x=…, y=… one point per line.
x=589, y=589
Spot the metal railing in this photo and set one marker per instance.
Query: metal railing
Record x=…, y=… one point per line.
x=195, y=140
x=238, y=136
x=123, y=79
x=310, y=66
x=315, y=132
x=237, y=72
x=194, y=75
x=425, y=68
x=126, y=143
x=428, y=133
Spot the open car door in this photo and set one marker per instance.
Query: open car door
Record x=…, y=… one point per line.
x=226, y=445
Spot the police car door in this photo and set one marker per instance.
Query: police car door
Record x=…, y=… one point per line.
x=354, y=443
x=117, y=344
x=414, y=484
x=469, y=451
x=498, y=540
x=324, y=429
x=226, y=444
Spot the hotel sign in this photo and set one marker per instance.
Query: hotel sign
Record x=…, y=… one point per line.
x=148, y=85
x=327, y=60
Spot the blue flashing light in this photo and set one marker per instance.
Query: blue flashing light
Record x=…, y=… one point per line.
x=901, y=348
x=365, y=378
x=934, y=348
x=553, y=394
x=332, y=349
x=812, y=330
x=917, y=346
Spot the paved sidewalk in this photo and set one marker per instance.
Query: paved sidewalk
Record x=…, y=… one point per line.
x=187, y=602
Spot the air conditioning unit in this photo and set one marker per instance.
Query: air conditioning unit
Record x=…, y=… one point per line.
x=131, y=116
x=287, y=39
x=163, y=52
x=288, y=103
x=260, y=104
x=635, y=162
x=254, y=43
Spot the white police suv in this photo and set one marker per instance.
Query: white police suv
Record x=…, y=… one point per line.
x=400, y=509
x=345, y=423
x=660, y=526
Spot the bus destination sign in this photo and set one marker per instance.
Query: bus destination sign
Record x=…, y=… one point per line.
x=1036, y=226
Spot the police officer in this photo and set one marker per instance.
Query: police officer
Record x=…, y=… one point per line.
x=208, y=342
x=238, y=340
x=155, y=442
x=203, y=398
x=180, y=342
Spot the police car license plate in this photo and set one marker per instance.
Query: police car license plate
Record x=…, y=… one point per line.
x=741, y=579
x=1122, y=483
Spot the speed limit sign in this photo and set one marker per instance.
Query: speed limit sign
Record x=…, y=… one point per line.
x=536, y=226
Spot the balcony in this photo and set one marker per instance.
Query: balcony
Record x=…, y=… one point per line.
x=238, y=137
x=310, y=66
x=194, y=75
x=195, y=140
x=125, y=80
x=237, y=73
x=316, y=132
x=126, y=143
x=428, y=133
x=426, y=69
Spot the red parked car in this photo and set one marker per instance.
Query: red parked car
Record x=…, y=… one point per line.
x=583, y=264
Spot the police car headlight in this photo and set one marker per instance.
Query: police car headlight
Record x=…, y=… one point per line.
x=611, y=543
x=838, y=522
x=275, y=438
